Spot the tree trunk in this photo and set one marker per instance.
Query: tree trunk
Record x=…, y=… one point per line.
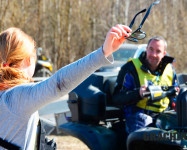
x=3, y=11
x=23, y=13
x=38, y=20
x=127, y=2
x=165, y=17
x=44, y=25
x=69, y=32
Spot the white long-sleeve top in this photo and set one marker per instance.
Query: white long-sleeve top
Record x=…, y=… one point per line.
x=19, y=105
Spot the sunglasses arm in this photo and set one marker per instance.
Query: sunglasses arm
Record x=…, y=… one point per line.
x=132, y=22
x=147, y=14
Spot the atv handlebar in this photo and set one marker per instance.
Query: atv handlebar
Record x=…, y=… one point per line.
x=146, y=94
x=156, y=92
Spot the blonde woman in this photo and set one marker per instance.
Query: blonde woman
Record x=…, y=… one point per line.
x=20, y=100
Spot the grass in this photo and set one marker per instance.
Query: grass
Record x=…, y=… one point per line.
x=68, y=143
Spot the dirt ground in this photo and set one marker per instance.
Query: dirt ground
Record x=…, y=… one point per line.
x=68, y=143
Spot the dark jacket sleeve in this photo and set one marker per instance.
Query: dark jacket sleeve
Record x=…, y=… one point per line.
x=174, y=83
x=127, y=86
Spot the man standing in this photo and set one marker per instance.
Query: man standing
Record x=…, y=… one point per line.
x=153, y=67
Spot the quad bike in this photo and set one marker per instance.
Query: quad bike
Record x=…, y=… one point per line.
x=101, y=126
x=44, y=66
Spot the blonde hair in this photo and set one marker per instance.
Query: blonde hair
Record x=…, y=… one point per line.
x=15, y=46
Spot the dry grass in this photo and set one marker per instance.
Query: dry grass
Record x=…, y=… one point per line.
x=68, y=143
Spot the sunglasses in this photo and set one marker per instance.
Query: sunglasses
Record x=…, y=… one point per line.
x=138, y=34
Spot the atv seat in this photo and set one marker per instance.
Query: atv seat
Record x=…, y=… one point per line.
x=182, y=78
x=111, y=110
x=91, y=101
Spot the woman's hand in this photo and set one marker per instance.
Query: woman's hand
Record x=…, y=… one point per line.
x=114, y=38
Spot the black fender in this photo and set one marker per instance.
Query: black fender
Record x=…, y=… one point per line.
x=167, y=120
x=95, y=137
x=149, y=139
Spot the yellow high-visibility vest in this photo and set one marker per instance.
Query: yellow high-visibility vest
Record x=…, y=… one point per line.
x=165, y=79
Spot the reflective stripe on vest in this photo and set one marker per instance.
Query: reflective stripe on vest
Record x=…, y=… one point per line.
x=165, y=79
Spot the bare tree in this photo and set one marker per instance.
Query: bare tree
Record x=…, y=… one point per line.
x=127, y=2
x=69, y=29
x=3, y=10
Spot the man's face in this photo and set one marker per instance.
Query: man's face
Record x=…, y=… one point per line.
x=155, y=52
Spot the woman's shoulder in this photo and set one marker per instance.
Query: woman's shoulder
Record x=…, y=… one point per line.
x=16, y=90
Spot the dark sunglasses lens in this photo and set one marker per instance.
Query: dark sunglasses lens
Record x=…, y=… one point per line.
x=132, y=39
x=138, y=35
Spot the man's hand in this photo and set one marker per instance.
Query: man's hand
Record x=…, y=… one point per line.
x=143, y=89
x=114, y=38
